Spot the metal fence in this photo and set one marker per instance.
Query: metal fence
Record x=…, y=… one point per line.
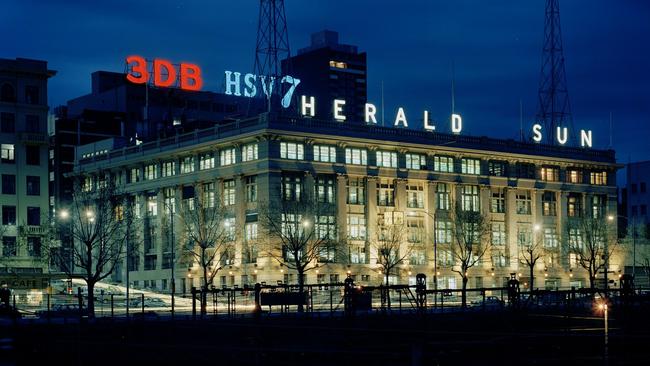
x=332, y=299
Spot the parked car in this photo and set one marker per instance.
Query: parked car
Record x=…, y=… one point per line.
x=154, y=302
x=490, y=302
x=64, y=311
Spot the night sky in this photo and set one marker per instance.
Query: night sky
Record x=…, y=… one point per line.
x=411, y=45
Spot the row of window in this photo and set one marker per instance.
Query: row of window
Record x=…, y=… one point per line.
x=32, y=185
x=8, y=154
x=206, y=161
x=445, y=164
x=9, y=215
x=8, y=123
x=10, y=248
x=8, y=94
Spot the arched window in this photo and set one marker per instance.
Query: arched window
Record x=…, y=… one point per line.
x=7, y=93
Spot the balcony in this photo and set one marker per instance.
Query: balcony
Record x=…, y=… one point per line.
x=33, y=230
x=33, y=138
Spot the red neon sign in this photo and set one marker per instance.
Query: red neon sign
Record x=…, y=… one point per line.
x=165, y=75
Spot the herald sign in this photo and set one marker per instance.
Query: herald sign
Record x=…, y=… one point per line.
x=165, y=74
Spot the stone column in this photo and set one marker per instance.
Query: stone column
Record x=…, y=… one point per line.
x=240, y=215
x=511, y=227
x=341, y=205
x=371, y=215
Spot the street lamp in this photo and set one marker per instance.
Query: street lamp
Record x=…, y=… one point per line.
x=611, y=218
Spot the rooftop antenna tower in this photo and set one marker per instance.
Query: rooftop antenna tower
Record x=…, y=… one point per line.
x=554, y=109
x=272, y=47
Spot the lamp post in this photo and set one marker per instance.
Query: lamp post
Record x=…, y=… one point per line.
x=171, y=210
x=611, y=218
x=64, y=215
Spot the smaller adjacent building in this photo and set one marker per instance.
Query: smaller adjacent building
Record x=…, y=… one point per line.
x=23, y=169
x=330, y=70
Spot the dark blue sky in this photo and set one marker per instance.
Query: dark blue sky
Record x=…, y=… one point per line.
x=495, y=45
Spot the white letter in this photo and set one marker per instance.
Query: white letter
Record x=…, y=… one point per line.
x=370, y=113
x=311, y=105
x=268, y=90
x=427, y=126
x=230, y=83
x=338, y=108
x=585, y=138
x=537, y=132
x=249, y=79
x=456, y=123
x=559, y=132
x=400, y=117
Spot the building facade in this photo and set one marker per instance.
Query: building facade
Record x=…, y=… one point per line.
x=23, y=165
x=370, y=174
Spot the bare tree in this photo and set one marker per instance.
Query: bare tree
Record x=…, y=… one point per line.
x=209, y=237
x=96, y=218
x=531, y=252
x=591, y=240
x=301, y=233
x=388, y=245
x=470, y=242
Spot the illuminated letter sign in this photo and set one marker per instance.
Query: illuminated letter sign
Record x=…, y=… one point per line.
x=456, y=123
x=164, y=73
x=537, y=132
x=427, y=125
x=338, y=108
x=401, y=118
x=308, y=105
x=371, y=110
x=139, y=73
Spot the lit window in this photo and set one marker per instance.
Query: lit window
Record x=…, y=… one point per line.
x=229, y=192
x=338, y=64
x=443, y=164
x=574, y=176
x=550, y=174
x=168, y=168
x=227, y=156
x=249, y=152
x=150, y=171
x=470, y=166
x=598, y=178
x=415, y=195
x=326, y=154
x=187, y=164
x=356, y=191
x=356, y=227
x=470, y=198
x=523, y=203
x=356, y=156
x=7, y=153
x=387, y=159
x=549, y=204
x=292, y=150
x=206, y=161
x=416, y=161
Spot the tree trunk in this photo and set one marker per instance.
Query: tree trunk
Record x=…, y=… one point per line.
x=532, y=277
x=464, y=292
x=301, y=289
x=204, y=293
x=91, y=299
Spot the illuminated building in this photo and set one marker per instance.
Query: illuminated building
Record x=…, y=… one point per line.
x=366, y=172
x=23, y=166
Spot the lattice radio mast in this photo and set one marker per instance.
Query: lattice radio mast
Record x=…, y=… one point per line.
x=272, y=47
x=554, y=109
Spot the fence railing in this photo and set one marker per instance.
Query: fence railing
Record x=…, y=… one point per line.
x=332, y=298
